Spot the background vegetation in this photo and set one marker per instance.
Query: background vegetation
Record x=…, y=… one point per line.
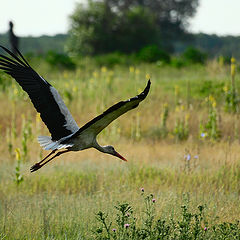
x=182, y=144
x=182, y=180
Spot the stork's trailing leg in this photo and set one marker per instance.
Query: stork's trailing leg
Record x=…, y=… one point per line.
x=38, y=165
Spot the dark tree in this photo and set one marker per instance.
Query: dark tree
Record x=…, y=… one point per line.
x=104, y=26
x=13, y=39
x=171, y=16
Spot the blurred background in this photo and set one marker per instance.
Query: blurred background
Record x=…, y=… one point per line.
x=158, y=28
x=183, y=174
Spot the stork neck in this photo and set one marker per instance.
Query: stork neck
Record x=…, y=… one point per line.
x=99, y=148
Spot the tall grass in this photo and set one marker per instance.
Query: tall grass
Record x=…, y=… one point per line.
x=172, y=141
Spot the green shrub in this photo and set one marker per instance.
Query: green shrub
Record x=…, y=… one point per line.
x=178, y=62
x=152, y=53
x=193, y=55
x=60, y=60
x=111, y=59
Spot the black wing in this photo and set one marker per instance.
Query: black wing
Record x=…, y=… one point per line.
x=96, y=125
x=44, y=97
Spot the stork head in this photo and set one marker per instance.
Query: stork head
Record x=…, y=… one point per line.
x=112, y=151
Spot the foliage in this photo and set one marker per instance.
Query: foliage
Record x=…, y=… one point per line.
x=171, y=17
x=60, y=60
x=211, y=127
x=177, y=62
x=38, y=45
x=112, y=59
x=98, y=29
x=181, y=130
x=191, y=225
x=193, y=55
x=59, y=201
x=152, y=53
x=209, y=87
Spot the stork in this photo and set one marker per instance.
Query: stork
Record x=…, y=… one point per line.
x=66, y=136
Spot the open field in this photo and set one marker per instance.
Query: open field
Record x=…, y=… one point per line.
x=181, y=144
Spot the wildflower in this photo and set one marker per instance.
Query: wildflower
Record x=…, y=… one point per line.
x=176, y=89
x=177, y=109
x=103, y=69
x=153, y=200
x=196, y=156
x=203, y=135
x=131, y=69
x=142, y=189
x=95, y=74
x=187, y=157
x=225, y=89
x=211, y=98
x=165, y=105
x=17, y=152
x=205, y=229
x=148, y=76
x=15, y=91
x=214, y=104
x=126, y=225
x=233, y=67
x=114, y=229
x=75, y=89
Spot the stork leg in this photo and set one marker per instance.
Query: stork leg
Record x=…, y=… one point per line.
x=38, y=165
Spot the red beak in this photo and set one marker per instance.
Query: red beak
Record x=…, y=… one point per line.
x=121, y=157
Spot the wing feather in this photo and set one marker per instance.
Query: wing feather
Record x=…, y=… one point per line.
x=96, y=125
x=44, y=97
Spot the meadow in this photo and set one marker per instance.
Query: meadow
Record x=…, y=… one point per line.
x=182, y=178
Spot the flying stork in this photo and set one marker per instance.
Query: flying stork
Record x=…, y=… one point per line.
x=65, y=133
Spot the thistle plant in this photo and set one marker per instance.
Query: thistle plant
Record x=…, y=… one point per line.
x=185, y=226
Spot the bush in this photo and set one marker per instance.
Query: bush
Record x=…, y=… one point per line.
x=111, y=59
x=152, y=53
x=60, y=60
x=97, y=29
x=193, y=55
x=177, y=62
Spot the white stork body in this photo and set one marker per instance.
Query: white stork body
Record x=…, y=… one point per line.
x=65, y=133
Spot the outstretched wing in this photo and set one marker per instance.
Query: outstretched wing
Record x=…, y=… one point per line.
x=44, y=97
x=96, y=125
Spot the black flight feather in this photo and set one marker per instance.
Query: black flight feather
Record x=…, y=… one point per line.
x=39, y=91
x=97, y=124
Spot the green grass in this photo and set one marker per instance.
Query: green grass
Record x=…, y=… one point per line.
x=61, y=200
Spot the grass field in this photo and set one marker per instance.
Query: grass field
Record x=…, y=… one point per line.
x=182, y=146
